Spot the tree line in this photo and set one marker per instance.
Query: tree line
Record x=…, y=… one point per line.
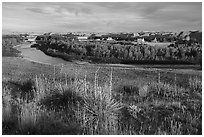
x=124, y=50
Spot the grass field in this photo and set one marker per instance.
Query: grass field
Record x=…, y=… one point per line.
x=159, y=44
x=98, y=99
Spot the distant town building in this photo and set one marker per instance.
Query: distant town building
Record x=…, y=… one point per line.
x=145, y=35
x=30, y=38
x=98, y=35
x=155, y=40
x=140, y=40
x=187, y=38
x=98, y=39
x=135, y=35
x=109, y=38
x=82, y=38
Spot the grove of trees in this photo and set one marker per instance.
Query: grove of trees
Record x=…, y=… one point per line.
x=123, y=51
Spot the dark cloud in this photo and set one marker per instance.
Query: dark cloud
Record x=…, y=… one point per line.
x=36, y=10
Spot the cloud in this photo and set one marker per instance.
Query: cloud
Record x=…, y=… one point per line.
x=111, y=16
x=44, y=10
x=37, y=10
x=171, y=11
x=61, y=9
x=77, y=8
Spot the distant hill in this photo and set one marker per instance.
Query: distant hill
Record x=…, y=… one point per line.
x=192, y=35
x=196, y=36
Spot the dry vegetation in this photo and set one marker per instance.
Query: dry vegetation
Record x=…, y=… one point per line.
x=77, y=105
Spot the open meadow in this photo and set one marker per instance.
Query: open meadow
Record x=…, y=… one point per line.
x=98, y=99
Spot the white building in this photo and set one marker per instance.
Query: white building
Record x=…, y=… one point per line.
x=140, y=40
x=30, y=38
x=155, y=40
x=135, y=35
x=145, y=35
x=187, y=38
x=82, y=38
x=109, y=38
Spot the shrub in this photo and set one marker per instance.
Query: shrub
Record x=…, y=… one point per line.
x=99, y=114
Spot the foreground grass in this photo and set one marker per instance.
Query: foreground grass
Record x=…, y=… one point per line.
x=40, y=99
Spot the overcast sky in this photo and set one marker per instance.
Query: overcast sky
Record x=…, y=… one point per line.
x=101, y=17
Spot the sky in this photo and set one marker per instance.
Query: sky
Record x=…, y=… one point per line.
x=100, y=17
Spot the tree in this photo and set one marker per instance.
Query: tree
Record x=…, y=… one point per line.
x=125, y=54
x=167, y=54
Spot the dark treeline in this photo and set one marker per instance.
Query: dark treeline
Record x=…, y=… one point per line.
x=122, y=52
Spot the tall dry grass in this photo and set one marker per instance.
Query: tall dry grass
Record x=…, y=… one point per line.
x=6, y=104
x=93, y=108
x=99, y=113
x=29, y=116
x=196, y=85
